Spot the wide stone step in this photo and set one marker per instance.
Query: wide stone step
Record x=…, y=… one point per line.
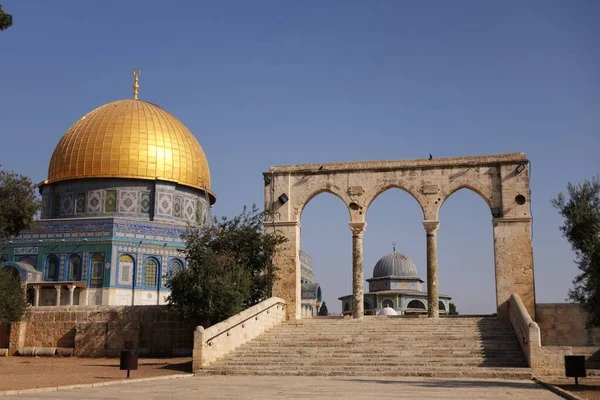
x=370, y=363
x=449, y=372
x=381, y=354
x=395, y=335
x=372, y=346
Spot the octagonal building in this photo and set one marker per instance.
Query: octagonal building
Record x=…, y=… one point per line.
x=395, y=289
x=124, y=183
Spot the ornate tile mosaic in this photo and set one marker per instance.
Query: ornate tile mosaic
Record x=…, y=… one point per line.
x=165, y=204
x=189, y=209
x=139, y=271
x=67, y=203
x=145, y=202
x=94, y=203
x=110, y=201
x=177, y=206
x=80, y=203
x=84, y=268
x=128, y=201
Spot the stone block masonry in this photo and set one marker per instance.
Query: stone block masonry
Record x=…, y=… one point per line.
x=101, y=331
x=564, y=324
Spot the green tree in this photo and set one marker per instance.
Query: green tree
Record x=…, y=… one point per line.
x=6, y=20
x=323, y=312
x=18, y=204
x=452, y=309
x=12, y=299
x=581, y=213
x=229, y=268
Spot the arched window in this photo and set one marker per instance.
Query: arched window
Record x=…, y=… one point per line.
x=346, y=306
x=125, y=269
x=175, y=267
x=150, y=272
x=97, y=269
x=442, y=306
x=416, y=304
x=75, y=267
x=52, y=268
x=387, y=303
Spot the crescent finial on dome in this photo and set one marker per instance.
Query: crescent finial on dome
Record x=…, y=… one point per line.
x=136, y=85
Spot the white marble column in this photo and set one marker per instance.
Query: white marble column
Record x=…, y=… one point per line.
x=358, y=229
x=431, y=227
x=36, y=296
x=58, y=289
x=71, y=294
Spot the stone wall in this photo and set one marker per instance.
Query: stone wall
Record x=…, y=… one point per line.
x=101, y=331
x=563, y=324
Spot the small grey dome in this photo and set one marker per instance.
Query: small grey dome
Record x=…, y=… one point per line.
x=395, y=264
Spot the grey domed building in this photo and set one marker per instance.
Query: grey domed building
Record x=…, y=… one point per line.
x=396, y=286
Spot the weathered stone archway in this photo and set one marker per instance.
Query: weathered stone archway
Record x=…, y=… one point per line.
x=501, y=180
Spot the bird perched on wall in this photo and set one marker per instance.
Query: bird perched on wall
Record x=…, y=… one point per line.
x=430, y=156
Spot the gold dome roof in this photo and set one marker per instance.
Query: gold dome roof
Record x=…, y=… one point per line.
x=130, y=138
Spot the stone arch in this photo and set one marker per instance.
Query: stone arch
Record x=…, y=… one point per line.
x=442, y=306
x=481, y=191
x=387, y=302
x=376, y=192
x=303, y=202
x=416, y=304
x=502, y=180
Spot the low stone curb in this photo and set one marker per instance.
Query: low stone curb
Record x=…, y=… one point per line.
x=555, y=389
x=92, y=385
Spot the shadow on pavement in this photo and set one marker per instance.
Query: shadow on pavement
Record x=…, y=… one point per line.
x=461, y=383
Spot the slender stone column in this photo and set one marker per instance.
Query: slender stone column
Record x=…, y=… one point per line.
x=71, y=293
x=58, y=288
x=431, y=227
x=36, y=296
x=358, y=229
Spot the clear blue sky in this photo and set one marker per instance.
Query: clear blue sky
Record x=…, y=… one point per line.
x=279, y=82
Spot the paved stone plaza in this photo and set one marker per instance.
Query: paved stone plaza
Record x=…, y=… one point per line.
x=270, y=387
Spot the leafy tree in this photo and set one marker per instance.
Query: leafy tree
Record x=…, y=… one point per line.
x=12, y=299
x=6, y=20
x=229, y=268
x=18, y=204
x=323, y=312
x=452, y=309
x=581, y=213
x=211, y=289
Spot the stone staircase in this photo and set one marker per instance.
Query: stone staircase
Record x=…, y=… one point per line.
x=476, y=347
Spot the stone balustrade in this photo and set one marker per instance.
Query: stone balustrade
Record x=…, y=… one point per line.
x=527, y=330
x=220, y=339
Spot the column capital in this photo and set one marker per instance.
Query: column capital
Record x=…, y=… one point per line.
x=57, y=287
x=358, y=228
x=71, y=287
x=431, y=226
x=36, y=288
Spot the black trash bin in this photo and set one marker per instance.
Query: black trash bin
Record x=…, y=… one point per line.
x=575, y=367
x=129, y=360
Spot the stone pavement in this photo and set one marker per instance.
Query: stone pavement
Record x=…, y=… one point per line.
x=302, y=387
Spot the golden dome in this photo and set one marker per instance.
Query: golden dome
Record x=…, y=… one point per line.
x=130, y=139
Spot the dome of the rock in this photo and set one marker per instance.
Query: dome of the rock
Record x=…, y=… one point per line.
x=130, y=138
